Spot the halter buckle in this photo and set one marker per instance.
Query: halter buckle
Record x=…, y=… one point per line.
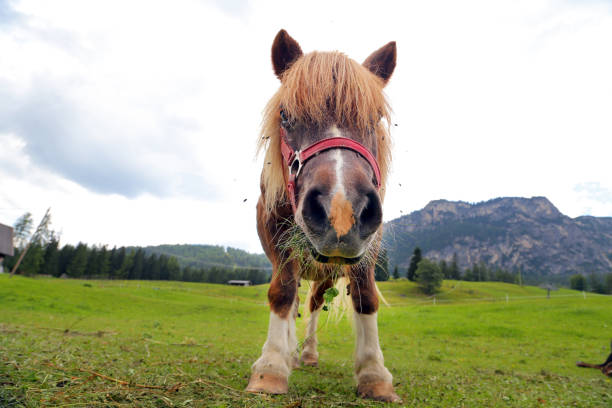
x=296, y=165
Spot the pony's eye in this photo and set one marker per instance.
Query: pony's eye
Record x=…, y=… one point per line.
x=284, y=120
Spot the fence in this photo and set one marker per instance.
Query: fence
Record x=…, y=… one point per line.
x=434, y=300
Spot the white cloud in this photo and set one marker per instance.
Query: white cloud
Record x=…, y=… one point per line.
x=155, y=107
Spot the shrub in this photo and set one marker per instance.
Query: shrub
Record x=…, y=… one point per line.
x=578, y=282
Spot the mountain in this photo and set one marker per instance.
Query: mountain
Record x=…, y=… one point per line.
x=208, y=256
x=510, y=232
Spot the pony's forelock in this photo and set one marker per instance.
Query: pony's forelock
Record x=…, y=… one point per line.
x=319, y=87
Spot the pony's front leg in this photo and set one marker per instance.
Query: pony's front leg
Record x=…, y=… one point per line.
x=310, y=356
x=270, y=373
x=374, y=381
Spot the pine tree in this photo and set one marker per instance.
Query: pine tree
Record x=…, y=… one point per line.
x=174, y=270
x=429, y=277
x=51, y=265
x=78, y=263
x=414, y=263
x=128, y=260
x=33, y=260
x=251, y=275
x=454, y=271
x=381, y=269
x=92, y=262
x=484, y=272
x=444, y=269
x=469, y=275
x=596, y=284
x=396, y=273
x=137, y=268
x=22, y=230
x=117, y=261
x=608, y=283
x=111, y=262
x=154, y=267
x=188, y=274
x=66, y=254
x=104, y=263
x=578, y=282
x=475, y=272
x=147, y=270
x=164, y=273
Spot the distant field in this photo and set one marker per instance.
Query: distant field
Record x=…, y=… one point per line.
x=175, y=344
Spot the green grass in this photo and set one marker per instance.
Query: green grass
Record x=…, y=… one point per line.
x=196, y=342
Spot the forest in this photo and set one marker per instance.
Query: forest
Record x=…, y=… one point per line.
x=94, y=262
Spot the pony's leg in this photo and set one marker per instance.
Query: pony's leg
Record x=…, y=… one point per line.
x=270, y=373
x=310, y=356
x=374, y=381
x=292, y=337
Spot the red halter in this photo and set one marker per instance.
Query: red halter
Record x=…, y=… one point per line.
x=295, y=160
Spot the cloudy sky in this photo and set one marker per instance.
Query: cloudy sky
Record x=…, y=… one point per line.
x=136, y=121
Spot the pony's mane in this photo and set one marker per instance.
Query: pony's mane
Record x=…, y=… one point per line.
x=318, y=87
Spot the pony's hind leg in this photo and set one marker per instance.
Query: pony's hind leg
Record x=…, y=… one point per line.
x=310, y=356
x=270, y=373
x=374, y=381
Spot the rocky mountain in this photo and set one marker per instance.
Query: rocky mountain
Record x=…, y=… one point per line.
x=509, y=232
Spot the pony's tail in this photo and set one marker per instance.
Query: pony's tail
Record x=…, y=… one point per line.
x=380, y=296
x=588, y=365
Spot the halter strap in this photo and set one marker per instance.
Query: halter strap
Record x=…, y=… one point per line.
x=295, y=159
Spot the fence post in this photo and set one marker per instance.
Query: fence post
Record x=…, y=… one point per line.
x=584, y=294
x=434, y=300
x=506, y=298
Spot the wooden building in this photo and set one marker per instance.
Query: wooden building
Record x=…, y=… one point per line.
x=239, y=282
x=6, y=243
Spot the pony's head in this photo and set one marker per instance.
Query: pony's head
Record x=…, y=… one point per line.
x=338, y=198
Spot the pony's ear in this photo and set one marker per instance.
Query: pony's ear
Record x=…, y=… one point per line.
x=382, y=61
x=285, y=50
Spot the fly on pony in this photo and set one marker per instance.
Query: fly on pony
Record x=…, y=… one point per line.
x=326, y=141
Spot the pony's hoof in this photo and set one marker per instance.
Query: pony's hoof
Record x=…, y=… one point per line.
x=295, y=362
x=309, y=359
x=380, y=391
x=268, y=384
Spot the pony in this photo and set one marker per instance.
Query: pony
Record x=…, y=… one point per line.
x=325, y=134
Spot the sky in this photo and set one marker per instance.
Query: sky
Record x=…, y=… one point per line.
x=136, y=121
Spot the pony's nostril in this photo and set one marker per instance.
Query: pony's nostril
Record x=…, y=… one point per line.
x=313, y=211
x=371, y=215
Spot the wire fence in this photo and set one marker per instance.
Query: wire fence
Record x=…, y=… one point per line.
x=434, y=300
x=429, y=301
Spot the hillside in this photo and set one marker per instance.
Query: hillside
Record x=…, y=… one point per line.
x=511, y=232
x=206, y=256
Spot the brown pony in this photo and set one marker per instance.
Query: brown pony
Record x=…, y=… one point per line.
x=319, y=216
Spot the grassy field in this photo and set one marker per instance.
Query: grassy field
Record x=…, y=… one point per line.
x=172, y=344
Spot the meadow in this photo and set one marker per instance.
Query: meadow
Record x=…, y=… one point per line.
x=71, y=343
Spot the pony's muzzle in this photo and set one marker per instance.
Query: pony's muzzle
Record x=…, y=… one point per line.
x=339, y=227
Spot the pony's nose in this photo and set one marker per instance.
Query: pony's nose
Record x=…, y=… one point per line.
x=324, y=213
x=370, y=217
x=314, y=213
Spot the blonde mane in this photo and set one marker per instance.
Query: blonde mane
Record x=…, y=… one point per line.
x=318, y=87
